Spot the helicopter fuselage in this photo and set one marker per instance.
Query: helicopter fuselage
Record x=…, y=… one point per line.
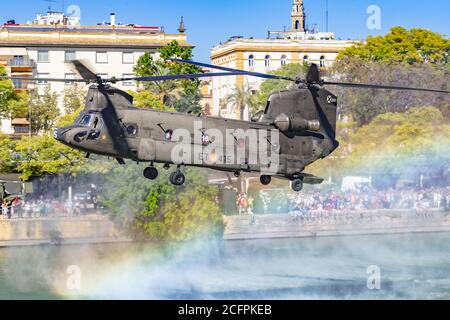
x=296, y=129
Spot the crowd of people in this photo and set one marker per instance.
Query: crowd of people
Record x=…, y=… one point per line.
x=363, y=199
x=17, y=208
x=370, y=199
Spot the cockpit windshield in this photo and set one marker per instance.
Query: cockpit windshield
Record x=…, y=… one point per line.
x=85, y=120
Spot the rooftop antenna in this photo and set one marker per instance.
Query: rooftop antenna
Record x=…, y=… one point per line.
x=327, y=15
x=50, y=4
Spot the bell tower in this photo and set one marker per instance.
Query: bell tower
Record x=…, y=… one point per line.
x=298, y=16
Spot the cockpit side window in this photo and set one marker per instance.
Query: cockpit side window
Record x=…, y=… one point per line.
x=86, y=120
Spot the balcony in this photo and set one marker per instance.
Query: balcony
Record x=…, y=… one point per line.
x=21, y=128
x=20, y=85
x=21, y=64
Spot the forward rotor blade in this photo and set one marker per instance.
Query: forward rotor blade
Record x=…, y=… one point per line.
x=43, y=79
x=242, y=72
x=114, y=127
x=378, y=86
x=84, y=71
x=177, y=76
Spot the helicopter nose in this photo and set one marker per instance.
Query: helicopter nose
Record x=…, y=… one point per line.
x=60, y=134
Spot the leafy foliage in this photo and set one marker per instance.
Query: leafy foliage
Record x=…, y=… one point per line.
x=158, y=210
x=148, y=100
x=391, y=145
x=413, y=58
x=365, y=104
x=240, y=99
x=74, y=96
x=44, y=111
x=270, y=86
x=18, y=106
x=183, y=94
x=7, y=95
x=403, y=46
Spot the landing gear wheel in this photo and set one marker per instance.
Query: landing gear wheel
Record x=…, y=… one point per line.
x=151, y=173
x=297, y=185
x=265, y=180
x=177, y=178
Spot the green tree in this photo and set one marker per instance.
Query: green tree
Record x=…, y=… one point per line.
x=147, y=100
x=270, y=86
x=402, y=46
x=365, y=104
x=188, y=98
x=7, y=154
x=392, y=145
x=41, y=155
x=240, y=99
x=159, y=211
x=166, y=91
x=413, y=58
x=7, y=94
x=74, y=96
x=44, y=111
x=19, y=105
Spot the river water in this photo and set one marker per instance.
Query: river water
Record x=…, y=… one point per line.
x=410, y=267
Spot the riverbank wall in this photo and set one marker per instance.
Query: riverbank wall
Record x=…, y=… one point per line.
x=377, y=222
x=73, y=230
x=99, y=229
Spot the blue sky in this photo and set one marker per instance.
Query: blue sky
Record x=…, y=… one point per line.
x=210, y=22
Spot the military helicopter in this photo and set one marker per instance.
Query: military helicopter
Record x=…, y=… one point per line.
x=303, y=117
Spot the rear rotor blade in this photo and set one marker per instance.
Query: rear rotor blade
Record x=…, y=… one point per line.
x=242, y=72
x=178, y=76
x=84, y=71
x=378, y=86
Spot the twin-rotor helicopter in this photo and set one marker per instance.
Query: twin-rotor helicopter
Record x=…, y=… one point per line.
x=303, y=117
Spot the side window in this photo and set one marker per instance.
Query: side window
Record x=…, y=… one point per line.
x=132, y=130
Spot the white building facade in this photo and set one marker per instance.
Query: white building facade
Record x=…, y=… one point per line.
x=47, y=49
x=266, y=55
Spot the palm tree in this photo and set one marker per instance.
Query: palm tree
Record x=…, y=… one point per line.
x=167, y=91
x=241, y=98
x=222, y=105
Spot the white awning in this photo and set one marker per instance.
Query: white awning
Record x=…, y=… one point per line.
x=13, y=51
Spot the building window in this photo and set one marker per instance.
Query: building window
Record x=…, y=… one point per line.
x=323, y=62
x=283, y=60
x=102, y=57
x=128, y=83
x=70, y=76
x=19, y=84
x=297, y=25
x=43, y=75
x=305, y=59
x=70, y=56
x=251, y=61
x=43, y=57
x=128, y=57
x=267, y=61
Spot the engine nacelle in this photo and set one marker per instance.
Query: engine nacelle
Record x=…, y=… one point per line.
x=296, y=123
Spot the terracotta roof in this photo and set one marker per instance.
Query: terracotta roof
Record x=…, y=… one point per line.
x=20, y=122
